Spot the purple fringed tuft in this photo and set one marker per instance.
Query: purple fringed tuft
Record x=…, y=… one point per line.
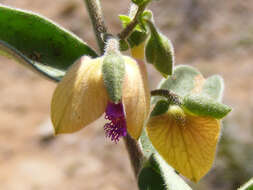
x=116, y=128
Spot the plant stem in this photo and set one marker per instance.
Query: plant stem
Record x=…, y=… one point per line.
x=171, y=96
x=135, y=154
x=97, y=19
x=129, y=28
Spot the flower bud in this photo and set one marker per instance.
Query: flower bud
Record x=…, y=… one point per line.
x=113, y=70
x=159, y=51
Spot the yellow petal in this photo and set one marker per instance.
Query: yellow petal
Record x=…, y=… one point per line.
x=136, y=97
x=138, y=51
x=188, y=147
x=80, y=98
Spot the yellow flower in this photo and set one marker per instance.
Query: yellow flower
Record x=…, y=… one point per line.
x=186, y=142
x=81, y=98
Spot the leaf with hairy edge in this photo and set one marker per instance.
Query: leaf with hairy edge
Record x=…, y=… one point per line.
x=213, y=87
x=39, y=40
x=183, y=80
x=46, y=71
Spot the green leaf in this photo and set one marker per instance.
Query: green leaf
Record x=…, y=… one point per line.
x=113, y=70
x=182, y=82
x=186, y=78
x=247, y=186
x=125, y=20
x=40, y=40
x=213, y=87
x=150, y=178
x=165, y=178
x=46, y=71
x=204, y=106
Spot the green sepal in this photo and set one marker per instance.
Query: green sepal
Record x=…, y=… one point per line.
x=213, y=87
x=159, y=51
x=39, y=40
x=204, y=106
x=160, y=108
x=113, y=70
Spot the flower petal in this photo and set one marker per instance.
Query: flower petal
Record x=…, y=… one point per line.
x=138, y=51
x=136, y=97
x=188, y=147
x=80, y=98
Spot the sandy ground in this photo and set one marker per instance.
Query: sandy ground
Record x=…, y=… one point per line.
x=221, y=43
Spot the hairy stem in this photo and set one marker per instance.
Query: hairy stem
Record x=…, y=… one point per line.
x=129, y=28
x=171, y=96
x=97, y=19
x=135, y=154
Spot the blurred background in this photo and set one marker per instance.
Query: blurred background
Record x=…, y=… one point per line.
x=214, y=36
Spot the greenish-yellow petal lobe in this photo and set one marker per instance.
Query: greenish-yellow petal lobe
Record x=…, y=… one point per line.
x=188, y=144
x=80, y=98
x=136, y=96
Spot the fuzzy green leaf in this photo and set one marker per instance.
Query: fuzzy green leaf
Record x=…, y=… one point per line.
x=113, y=73
x=213, y=87
x=40, y=40
x=150, y=177
x=185, y=79
x=182, y=82
x=204, y=106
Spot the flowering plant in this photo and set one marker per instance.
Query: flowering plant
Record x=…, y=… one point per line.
x=170, y=131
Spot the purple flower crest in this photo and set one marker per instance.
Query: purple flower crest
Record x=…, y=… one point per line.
x=116, y=127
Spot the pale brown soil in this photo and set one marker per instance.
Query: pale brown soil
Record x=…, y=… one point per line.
x=30, y=159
